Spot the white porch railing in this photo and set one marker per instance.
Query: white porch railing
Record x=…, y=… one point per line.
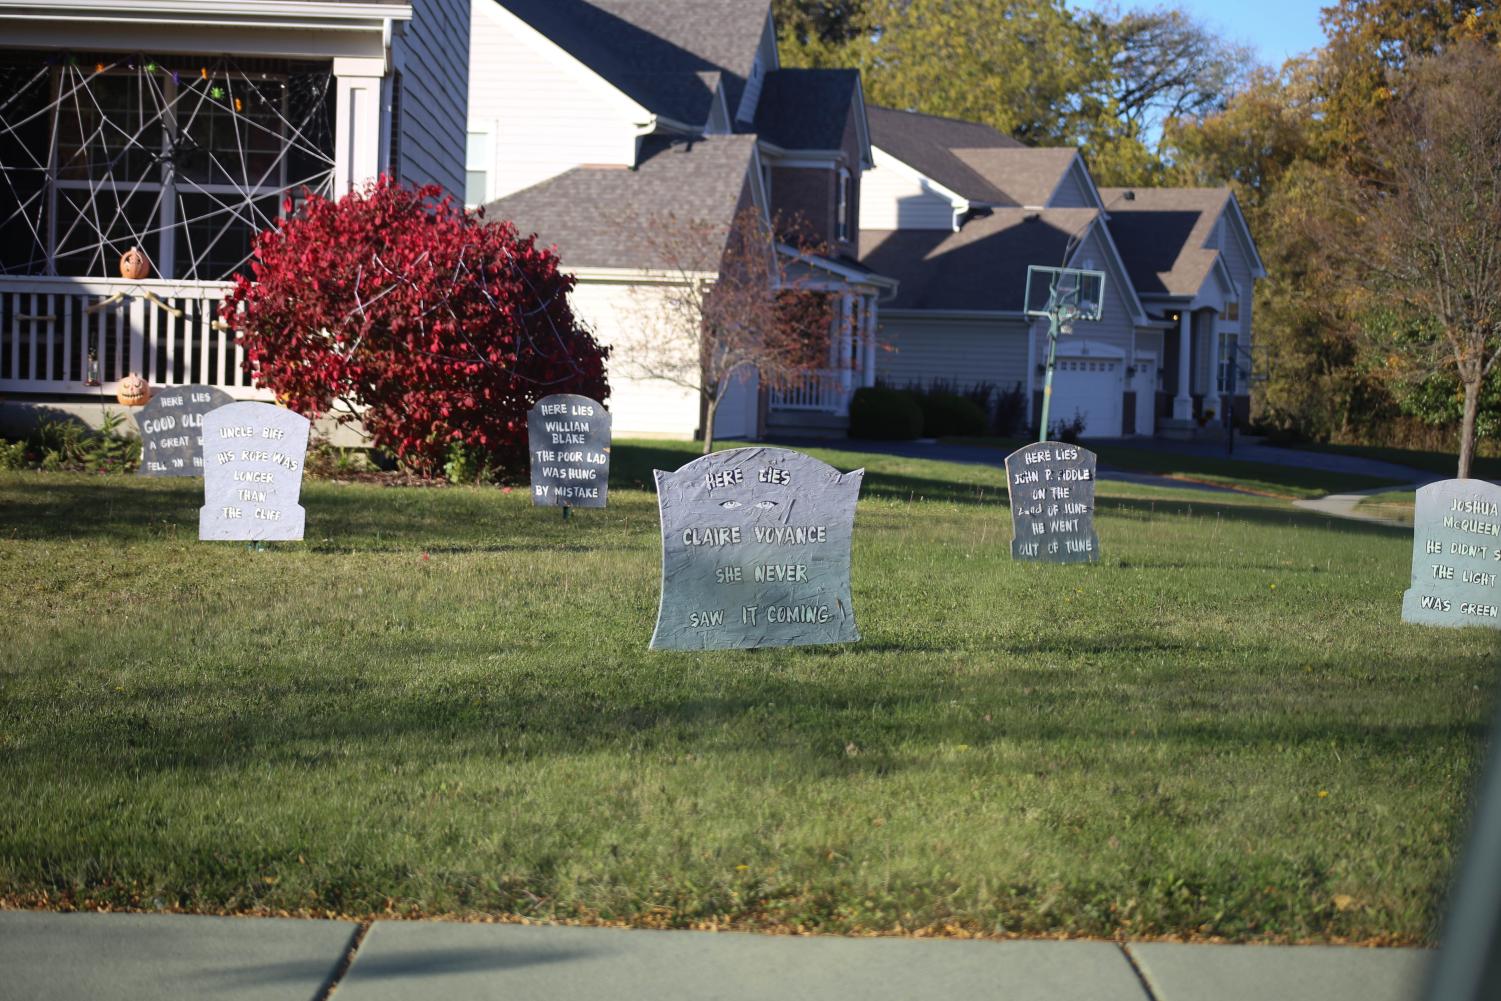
x=164, y=331
x=823, y=391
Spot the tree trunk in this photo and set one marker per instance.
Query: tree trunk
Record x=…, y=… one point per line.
x=709, y=412
x=1467, y=428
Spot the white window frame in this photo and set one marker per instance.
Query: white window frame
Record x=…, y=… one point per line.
x=842, y=205
x=487, y=156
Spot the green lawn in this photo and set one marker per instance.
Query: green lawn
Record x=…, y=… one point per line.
x=1251, y=477
x=1396, y=505
x=442, y=702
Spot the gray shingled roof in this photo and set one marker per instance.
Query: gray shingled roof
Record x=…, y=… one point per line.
x=655, y=51
x=1161, y=233
x=983, y=266
x=593, y=214
x=1027, y=176
x=926, y=143
x=806, y=109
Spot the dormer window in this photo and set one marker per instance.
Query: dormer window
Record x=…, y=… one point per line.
x=842, y=209
x=1231, y=312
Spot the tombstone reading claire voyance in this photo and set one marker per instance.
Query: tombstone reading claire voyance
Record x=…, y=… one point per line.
x=756, y=551
x=1052, y=503
x=1456, y=555
x=171, y=429
x=569, y=438
x=252, y=473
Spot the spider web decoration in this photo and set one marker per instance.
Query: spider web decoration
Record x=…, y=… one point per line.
x=185, y=159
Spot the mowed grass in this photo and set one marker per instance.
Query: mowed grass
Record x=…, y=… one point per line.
x=1262, y=478
x=442, y=703
x=1396, y=505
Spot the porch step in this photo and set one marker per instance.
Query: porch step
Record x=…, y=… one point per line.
x=806, y=424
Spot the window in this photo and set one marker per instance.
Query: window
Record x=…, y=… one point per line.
x=393, y=150
x=479, y=161
x=186, y=161
x=1225, y=381
x=842, y=211
x=1231, y=312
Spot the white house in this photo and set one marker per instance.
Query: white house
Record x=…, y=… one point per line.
x=591, y=120
x=180, y=127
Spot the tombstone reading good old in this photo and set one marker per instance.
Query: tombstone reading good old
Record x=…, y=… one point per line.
x=1456, y=555
x=252, y=473
x=171, y=429
x=570, y=444
x=1052, y=503
x=756, y=551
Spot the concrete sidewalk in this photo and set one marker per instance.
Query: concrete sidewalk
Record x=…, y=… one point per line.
x=69, y=957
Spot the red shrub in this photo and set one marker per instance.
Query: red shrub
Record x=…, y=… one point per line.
x=431, y=327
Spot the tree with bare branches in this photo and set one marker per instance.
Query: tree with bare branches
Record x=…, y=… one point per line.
x=1427, y=210
x=730, y=308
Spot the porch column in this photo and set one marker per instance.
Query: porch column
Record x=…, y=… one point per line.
x=846, y=334
x=870, y=340
x=1183, y=404
x=357, y=117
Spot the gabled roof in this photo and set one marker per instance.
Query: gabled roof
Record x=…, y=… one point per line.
x=1026, y=176
x=981, y=267
x=594, y=215
x=926, y=144
x=806, y=109
x=1162, y=232
x=656, y=52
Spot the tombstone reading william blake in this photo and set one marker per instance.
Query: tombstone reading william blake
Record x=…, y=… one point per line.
x=569, y=439
x=252, y=473
x=171, y=426
x=1051, y=485
x=756, y=551
x=1456, y=555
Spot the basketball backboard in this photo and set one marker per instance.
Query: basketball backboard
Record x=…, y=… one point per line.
x=1070, y=294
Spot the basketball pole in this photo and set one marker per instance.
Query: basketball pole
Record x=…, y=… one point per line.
x=1047, y=381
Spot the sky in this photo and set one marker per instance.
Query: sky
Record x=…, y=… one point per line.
x=1275, y=29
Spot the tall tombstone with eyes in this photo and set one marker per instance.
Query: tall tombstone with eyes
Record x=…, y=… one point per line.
x=756, y=551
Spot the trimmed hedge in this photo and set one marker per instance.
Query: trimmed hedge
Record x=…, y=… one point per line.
x=883, y=414
x=948, y=414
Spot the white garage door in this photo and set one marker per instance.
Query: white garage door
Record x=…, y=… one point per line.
x=1092, y=388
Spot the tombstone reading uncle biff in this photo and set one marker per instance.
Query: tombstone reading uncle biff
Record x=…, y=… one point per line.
x=1456, y=555
x=171, y=427
x=1052, y=503
x=756, y=551
x=569, y=437
x=252, y=473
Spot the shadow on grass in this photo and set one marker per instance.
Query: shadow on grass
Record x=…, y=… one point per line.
x=318, y=721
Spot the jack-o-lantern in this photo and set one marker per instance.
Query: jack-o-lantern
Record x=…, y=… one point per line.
x=134, y=264
x=133, y=391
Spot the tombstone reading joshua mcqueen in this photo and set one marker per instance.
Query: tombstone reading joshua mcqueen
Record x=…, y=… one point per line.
x=756, y=551
x=1052, y=503
x=171, y=429
x=252, y=473
x=1456, y=555
x=569, y=438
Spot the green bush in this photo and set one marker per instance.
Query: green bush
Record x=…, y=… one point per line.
x=883, y=414
x=948, y=414
x=54, y=445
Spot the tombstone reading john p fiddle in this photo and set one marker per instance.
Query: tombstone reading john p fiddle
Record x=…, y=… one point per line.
x=756, y=551
x=569, y=437
x=252, y=473
x=1051, y=485
x=171, y=426
x=1456, y=555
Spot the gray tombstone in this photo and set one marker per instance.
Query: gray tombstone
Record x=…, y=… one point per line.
x=756, y=551
x=171, y=429
x=252, y=473
x=1051, y=486
x=569, y=437
x=1456, y=555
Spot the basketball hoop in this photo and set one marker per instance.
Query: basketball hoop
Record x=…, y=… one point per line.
x=1064, y=296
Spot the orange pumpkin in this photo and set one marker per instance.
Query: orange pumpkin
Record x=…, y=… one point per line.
x=133, y=391
x=134, y=264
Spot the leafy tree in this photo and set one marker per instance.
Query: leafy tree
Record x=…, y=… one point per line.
x=430, y=328
x=1429, y=222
